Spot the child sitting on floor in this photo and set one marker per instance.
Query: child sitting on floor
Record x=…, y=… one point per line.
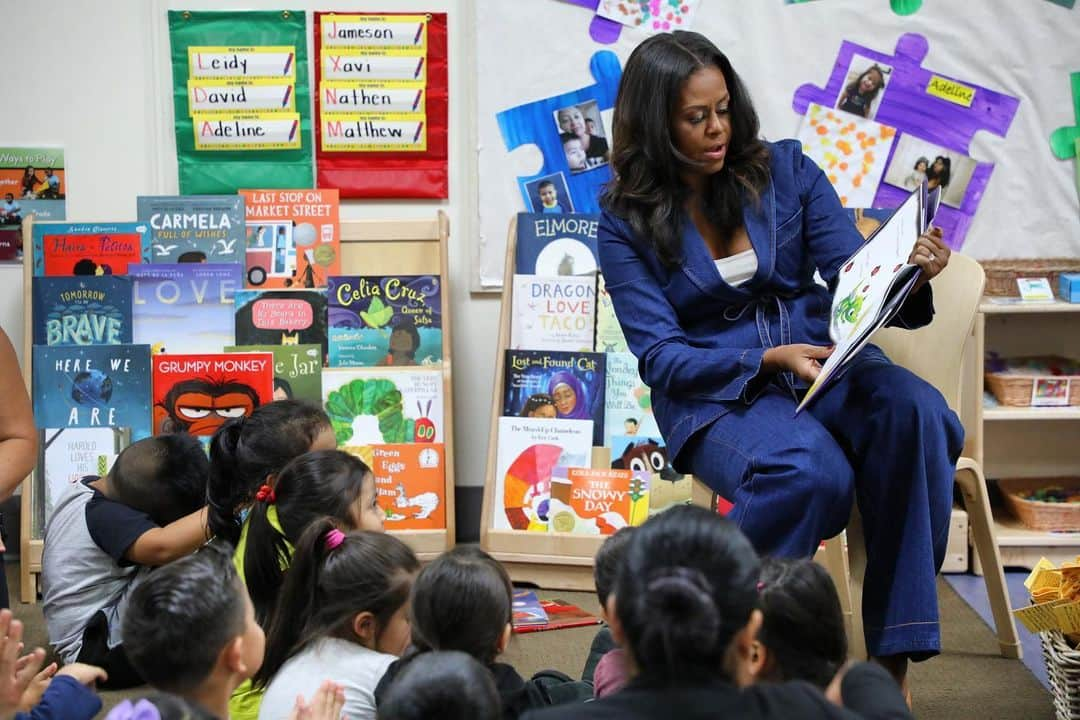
x=448, y=685
x=605, y=666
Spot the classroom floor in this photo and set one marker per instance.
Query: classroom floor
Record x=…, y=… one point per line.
x=969, y=673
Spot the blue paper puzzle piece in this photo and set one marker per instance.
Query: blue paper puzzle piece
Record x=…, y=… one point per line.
x=534, y=124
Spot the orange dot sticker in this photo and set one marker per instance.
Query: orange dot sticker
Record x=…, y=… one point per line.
x=822, y=130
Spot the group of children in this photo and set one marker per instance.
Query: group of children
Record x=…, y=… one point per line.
x=240, y=585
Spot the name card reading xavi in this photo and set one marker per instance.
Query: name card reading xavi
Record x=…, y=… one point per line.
x=267, y=61
x=407, y=31
x=389, y=64
x=374, y=133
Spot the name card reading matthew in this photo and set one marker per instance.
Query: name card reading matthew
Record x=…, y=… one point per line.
x=240, y=96
x=255, y=131
x=373, y=133
x=354, y=96
x=268, y=61
x=406, y=31
x=389, y=64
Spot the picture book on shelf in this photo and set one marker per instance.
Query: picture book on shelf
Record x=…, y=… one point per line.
x=627, y=400
x=553, y=313
x=642, y=453
x=527, y=452
x=379, y=320
x=410, y=480
x=89, y=386
x=197, y=393
x=597, y=501
x=281, y=317
x=561, y=615
x=609, y=334
x=70, y=454
x=194, y=228
x=88, y=249
x=297, y=370
x=292, y=238
x=376, y=406
x=185, y=307
x=81, y=310
x=556, y=244
x=527, y=610
x=565, y=385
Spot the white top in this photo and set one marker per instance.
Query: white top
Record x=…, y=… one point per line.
x=738, y=268
x=349, y=664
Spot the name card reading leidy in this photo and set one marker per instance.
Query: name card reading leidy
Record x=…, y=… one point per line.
x=255, y=131
x=403, y=31
x=374, y=65
x=352, y=96
x=239, y=96
x=373, y=133
x=268, y=61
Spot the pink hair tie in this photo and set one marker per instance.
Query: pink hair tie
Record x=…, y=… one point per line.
x=334, y=538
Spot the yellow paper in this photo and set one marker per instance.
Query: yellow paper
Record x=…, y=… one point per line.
x=265, y=61
x=1039, y=618
x=1068, y=616
x=408, y=31
x=1043, y=564
x=950, y=90
x=374, y=132
x=252, y=131
x=1046, y=580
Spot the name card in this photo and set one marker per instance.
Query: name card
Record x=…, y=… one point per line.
x=354, y=96
x=950, y=90
x=251, y=96
x=374, y=65
x=374, y=133
x=255, y=131
x=269, y=61
x=403, y=31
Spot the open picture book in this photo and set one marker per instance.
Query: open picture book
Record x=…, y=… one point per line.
x=874, y=283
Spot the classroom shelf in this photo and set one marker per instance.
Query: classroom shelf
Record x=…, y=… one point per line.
x=1028, y=413
x=990, y=307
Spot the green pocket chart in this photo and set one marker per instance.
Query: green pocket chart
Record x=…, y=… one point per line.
x=243, y=106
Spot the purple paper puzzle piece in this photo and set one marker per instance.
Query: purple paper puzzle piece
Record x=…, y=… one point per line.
x=601, y=29
x=534, y=124
x=906, y=106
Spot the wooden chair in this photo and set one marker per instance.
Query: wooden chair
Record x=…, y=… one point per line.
x=935, y=353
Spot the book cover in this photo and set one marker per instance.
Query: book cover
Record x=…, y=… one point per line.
x=70, y=454
x=561, y=615
x=292, y=238
x=194, y=228
x=553, y=313
x=377, y=406
x=410, y=479
x=556, y=244
x=565, y=385
x=92, y=386
x=384, y=320
x=609, y=334
x=281, y=317
x=641, y=453
x=33, y=183
x=184, y=307
x=297, y=370
x=197, y=393
x=87, y=249
x=528, y=450
x=81, y=310
x=527, y=610
x=627, y=400
x=588, y=501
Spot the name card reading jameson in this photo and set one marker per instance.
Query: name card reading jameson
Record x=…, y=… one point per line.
x=366, y=133
x=254, y=131
x=355, y=96
x=267, y=61
x=243, y=96
x=408, y=31
x=391, y=64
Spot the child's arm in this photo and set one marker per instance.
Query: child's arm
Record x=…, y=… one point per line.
x=162, y=545
x=69, y=696
x=18, y=438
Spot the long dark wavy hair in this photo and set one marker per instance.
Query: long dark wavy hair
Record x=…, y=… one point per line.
x=647, y=189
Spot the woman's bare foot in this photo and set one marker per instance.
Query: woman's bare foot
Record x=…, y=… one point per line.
x=897, y=666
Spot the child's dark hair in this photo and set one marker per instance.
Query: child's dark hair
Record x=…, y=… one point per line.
x=544, y=184
x=803, y=627
x=162, y=476
x=536, y=401
x=852, y=88
x=688, y=583
x=608, y=561
x=462, y=601
x=450, y=685
x=325, y=482
x=329, y=583
x=181, y=616
x=245, y=451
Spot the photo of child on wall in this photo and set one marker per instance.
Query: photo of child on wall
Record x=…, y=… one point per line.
x=944, y=168
x=550, y=194
x=863, y=87
x=582, y=134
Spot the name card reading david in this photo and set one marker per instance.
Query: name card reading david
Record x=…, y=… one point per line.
x=268, y=61
x=403, y=31
x=257, y=95
x=373, y=133
x=255, y=131
x=353, y=96
x=389, y=64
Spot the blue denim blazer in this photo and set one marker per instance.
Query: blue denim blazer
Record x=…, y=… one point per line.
x=699, y=341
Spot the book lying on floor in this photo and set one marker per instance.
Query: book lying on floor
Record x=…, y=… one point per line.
x=560, y=615
x=874, y=283
x=527, y=610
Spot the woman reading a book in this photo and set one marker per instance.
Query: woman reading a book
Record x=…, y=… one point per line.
x=708, y=243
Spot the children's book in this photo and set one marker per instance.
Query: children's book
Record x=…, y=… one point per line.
x=874, y=283
x=292, y=238
x=197, y=393
x=297, y=370
x=561, y=615
x=552, y=245
x=410, y=479
x=281, y=317
x=91, y=386
x=641, y=453
x=553, y=313
x=384, y=320
x=194, y=228
x=70, y=454
x=555, y=384
x=185, y=307
x=87, y=249
x=527, y=610
x=377, y=406
x=609, y=334
x=627, y=400
x=588, y=501
x=528, y=451
x=81, y=310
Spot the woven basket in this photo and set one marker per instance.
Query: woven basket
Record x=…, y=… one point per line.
x=1037, y=515
x=1013, y=389
x=1063, y=669
x=1001, y=275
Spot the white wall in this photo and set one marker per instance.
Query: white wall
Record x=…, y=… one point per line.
x=94, y=76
